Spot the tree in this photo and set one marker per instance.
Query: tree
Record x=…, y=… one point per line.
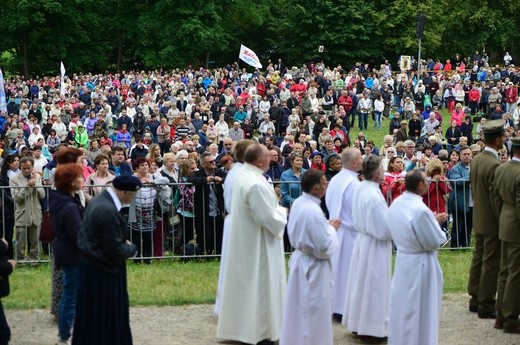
x=177, y=33
x=347, y=30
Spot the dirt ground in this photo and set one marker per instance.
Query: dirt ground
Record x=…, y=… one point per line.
x=196, y=325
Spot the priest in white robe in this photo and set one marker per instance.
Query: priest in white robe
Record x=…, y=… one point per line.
x=307, y=311
x=367, y=301
x=254, y=282
x=416, y=293
x=340, y=200
x=238, y=152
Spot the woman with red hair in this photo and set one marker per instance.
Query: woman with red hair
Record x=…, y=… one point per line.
x=67, y=213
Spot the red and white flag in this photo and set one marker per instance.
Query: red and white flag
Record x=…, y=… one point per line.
x=249, y=57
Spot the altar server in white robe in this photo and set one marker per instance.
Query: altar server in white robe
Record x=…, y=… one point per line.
x=307, y=311
x=339, y=200
x=367, y=300
x=254, y=283
x=416, y=293
x=239, y=151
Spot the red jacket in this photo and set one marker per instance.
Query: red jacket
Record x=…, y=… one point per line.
x=511, y=94
x=474, y=95
x=301, y=88
x=318, y=167
x=346, y=102
x=390, y=184
x=434, y=199
x=260, y=88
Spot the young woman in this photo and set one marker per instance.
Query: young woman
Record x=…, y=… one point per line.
x=393, y=185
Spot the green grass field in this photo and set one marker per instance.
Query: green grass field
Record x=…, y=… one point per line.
x=171, y=282
x=378, y=135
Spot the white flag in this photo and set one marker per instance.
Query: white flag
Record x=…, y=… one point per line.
x=249, y=57
x=62, y=84
x=3, y=104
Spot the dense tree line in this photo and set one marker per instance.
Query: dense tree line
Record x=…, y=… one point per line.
x=95, y=35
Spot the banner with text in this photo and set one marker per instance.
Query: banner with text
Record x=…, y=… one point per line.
x=249, y=57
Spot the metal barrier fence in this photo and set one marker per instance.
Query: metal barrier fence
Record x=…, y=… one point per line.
x=184, y=220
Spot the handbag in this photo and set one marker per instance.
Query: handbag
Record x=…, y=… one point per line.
x=46, y=231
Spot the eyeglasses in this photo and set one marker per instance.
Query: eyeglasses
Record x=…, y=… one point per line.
x=210, y=162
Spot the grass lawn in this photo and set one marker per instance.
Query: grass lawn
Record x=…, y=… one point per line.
x=172, y=282
x=378, y=135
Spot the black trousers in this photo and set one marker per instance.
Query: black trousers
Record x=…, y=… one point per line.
x=143, y=241
x=209, y=234
x=461, y=229
x=5, y=331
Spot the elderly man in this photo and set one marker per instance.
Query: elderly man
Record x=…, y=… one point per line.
x=416, y=293
x=266, y=127
x=208, y=205
x=409, y=159
x=236, y=133
x=102, y=287
x=27, y=191
x=252, y=313
x=430, y=124
x=367, y=299
x=309, y=291
x=340, y=201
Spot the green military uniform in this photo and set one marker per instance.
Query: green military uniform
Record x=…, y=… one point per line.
x=508, y=298
x=482, y=284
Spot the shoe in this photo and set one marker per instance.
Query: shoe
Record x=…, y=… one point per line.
x=337, y=317
x=514, y=329
x=266, y=342
x=487, y=314
x=61, y=341
x=499, y=323
x=368, y=339
x=473, y=308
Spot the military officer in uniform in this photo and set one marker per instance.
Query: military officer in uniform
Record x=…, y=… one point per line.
x=507, y=178
x=482, y=285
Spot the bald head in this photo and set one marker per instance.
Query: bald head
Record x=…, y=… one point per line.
x=351, y=159
x=257, y=155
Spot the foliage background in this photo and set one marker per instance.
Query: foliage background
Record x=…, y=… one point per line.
x=116, y=35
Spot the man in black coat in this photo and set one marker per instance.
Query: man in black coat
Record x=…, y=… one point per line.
x=6, y=268
x=102, y=287
x=208, y=205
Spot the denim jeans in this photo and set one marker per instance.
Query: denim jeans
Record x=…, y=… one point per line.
x=363, y=121
x=67, y=308
x=377, y=120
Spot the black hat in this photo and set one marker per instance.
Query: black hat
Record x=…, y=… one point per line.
x=127, y=183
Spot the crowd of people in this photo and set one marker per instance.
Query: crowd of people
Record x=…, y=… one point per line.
x=179, y=132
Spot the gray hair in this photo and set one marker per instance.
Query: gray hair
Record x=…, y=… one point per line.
x=181, y=154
